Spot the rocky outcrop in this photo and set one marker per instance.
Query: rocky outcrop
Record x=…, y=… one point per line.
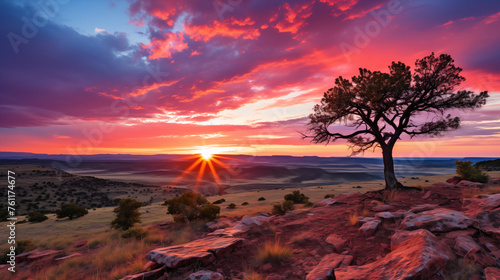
x=337, y=241
x=325, y=202
x=203, y=250
x=369, y=227
x=324, y=270
x=486, y=210
x=416, y=255
x=466, y=246
x=492, y=273
x=437, y=220
x=205, y=275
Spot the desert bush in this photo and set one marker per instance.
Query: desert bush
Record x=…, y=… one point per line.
x=231, y=206
x=219, y=201
x=137, y=233
x=471, y=173
x=282, y=208
x=330, y=195
x=71, y=211
x=191, y=206
x=308, y=204
x=245, y=203
x=296, y=197
x=353, y=217
x=126, y=214
x=261, y=198
x=36, y=217
x=273, y=252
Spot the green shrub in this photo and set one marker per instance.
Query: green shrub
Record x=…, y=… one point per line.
x=127, y=214
x=231, y=206
x=245, y=203
x=468, y=172
x=296, y=197
x=36, y=217
x=282, y=208
x=219, y=201
x=71, y=211
x=308, y=204
x=137, y=233
x=330, y=195
x=191, y=206
x=261, y=199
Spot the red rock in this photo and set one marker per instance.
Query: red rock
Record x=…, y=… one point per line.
x=369, y=228
x=454, y=180
x=492, y=273
x=382, y=208
x=469, y=184
x=437, y=220
x=337, y=241
x=43, y=254
x=149, y=275
x=205, y=275
x=486, y=209
x=256, y=221
x=74, y=255
x=442, y=185
x=465, y=245
x=267, y=267
x=392, y=215
x=418, y=255
x=23, y=256
x=202, y=250
x=150, y=266
x=79, y=243
x=324, y=269
x=325, y=202
x=275, y=276
x=454, y=234
x=494, y=181
x=423, y=207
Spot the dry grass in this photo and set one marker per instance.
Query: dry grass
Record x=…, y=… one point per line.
x=273, y=252
x=252, y=275
x=353, y=217
x=391, y=196
x=460, y=270
x=472, y=192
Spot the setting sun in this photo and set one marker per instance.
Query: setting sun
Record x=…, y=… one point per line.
x=206, y=155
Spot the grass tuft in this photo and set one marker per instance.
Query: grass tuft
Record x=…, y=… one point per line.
x=273, y=252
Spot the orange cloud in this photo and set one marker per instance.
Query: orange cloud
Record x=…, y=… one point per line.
x=164, y=48
x=295, y=18
x=228, y=28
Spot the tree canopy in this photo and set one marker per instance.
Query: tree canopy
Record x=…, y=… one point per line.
x=380, y=107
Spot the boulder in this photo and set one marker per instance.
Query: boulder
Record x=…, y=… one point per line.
x=456, y=233
x=437, y=220
x=205, y=275
x=235, y=231
x=466, y=246
x=442, y=185
x=454, y=180
x=492, y=273
x=148, y=275
x=327, y=265
x=416, y=255
x=382, y=208
x=256, y=221
x=219, y=224
x=423, y=207
x=392, y=215
x=203, y=250
x=337, y=241
x=469, y=184
x=369, y=228
x=486, y=210
x=325, y=202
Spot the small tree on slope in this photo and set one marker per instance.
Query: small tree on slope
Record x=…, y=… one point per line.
x=380, y=107
x=127, y=214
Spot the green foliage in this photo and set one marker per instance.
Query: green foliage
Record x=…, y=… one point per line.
x=191, y=206
x=127, y=214
x=468, y=172
x=261, y=198
x=219, y=201
x=36, y=217
x=245, y=203
x=329, y=195
x=231, y=206
x=296, y=197
x=137, y=233
x=282, y=208
x=71, y=211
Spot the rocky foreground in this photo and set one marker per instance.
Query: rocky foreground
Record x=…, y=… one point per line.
x=435, y=233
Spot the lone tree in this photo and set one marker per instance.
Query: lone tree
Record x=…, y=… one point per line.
x=380, y=107
x=127, y=214
x=71, y=211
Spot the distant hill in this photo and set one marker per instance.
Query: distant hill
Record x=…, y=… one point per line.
x=39, y=188
x=489, y=165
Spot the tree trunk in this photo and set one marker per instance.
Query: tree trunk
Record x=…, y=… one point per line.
x=390, y=177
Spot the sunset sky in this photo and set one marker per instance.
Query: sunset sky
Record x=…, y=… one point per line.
x=231, y=76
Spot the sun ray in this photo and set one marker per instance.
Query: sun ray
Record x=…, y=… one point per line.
x=200, y=174
x=186, y=172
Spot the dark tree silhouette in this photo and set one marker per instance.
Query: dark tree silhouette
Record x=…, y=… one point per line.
x=127, y=214
x=380, y=107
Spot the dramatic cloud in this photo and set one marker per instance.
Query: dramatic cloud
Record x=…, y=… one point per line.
x=228, y=70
